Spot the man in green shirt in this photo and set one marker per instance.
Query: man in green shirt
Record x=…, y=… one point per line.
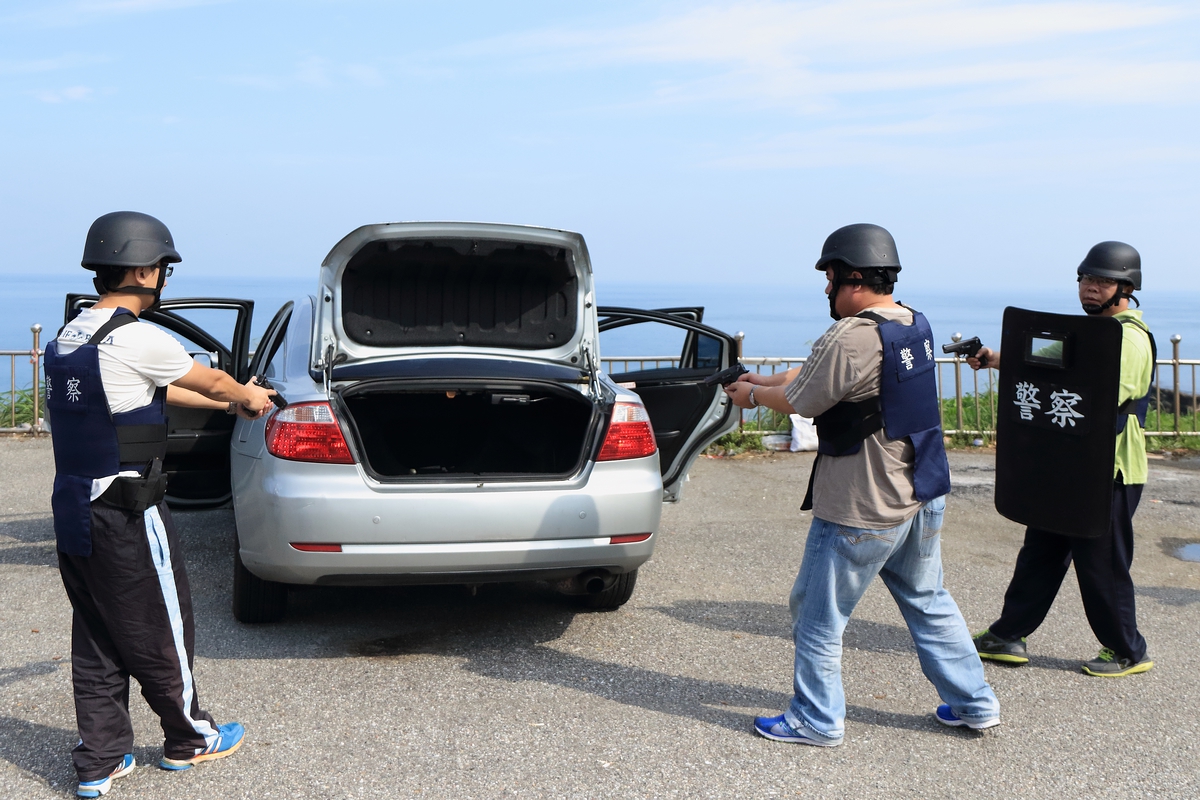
x=1108, y=276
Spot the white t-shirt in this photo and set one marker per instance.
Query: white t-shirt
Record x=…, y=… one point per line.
x=134, y=359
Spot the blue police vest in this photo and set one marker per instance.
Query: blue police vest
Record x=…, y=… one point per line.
x=89, y=441
x=907, y=406
x=1140, y=405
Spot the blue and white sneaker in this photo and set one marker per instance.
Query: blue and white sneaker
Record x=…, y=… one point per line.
x=777, y=728
x=229, y=739
x=947, y=717
x=101, y=786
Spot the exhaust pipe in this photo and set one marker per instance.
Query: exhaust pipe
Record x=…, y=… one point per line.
x=595, y=581
x=591, y=582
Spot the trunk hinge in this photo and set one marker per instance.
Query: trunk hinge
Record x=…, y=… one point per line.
x=327, y=364
x=327, y=371
x=593, y=374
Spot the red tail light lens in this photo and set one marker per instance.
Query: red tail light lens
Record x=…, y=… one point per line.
x=307, y=432
x=629, y=434
x=625, y=538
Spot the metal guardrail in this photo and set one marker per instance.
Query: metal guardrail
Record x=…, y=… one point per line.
x=763, y=420
x=34, y=357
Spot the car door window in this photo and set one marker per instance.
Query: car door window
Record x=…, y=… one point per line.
x=664, y=356
x=268, y=350
x=642, y=346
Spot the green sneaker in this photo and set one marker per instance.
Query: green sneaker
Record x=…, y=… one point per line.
x=993, y=648
x=1107, y=665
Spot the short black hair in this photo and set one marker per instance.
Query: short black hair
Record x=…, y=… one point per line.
x=875, y=278
x=111, y=278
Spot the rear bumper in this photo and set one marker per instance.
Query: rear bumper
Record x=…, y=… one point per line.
x=443, y=533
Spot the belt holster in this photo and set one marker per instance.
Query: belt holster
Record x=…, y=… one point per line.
x=140, y=493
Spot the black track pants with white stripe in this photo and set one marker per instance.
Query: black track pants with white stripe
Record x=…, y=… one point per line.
x=132, y=616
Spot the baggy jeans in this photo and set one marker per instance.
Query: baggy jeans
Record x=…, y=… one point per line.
x=839, y=564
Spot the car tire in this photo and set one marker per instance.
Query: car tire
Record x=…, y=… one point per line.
x=614, y=596
x=255, y=600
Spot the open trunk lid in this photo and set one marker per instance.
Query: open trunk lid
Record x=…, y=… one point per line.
x=454, y=289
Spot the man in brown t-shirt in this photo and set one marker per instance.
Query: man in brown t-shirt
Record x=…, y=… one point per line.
x=877, y=493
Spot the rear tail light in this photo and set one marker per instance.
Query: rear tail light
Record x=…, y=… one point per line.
x=629, y=434
x=307, y=432
x=310, y=547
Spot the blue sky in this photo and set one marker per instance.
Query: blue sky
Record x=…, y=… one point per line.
x=688, y=142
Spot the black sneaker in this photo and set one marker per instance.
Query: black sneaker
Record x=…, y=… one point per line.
x=1107, y=665
x=1009, y=651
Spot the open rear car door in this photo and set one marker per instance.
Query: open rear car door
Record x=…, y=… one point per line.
x=685, y=414
x=197, y=461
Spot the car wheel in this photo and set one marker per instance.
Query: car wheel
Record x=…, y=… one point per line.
x=614, y=596
x=255, y=600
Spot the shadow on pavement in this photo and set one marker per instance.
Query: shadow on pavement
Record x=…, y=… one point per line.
x=40, y=750
x=773, y=619
x=46, y=752
x=31, y=670
x=40, y=529
x=29, y=555
x=506, y=632
x=1169, y=595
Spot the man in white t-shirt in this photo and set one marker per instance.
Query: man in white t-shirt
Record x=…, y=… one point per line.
x=108, y=379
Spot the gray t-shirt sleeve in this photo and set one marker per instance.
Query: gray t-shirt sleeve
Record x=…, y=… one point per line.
x=834, y=371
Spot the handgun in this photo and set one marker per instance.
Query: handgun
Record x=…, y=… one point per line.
x=726, y=376
x=276, y=398
x=967, y=348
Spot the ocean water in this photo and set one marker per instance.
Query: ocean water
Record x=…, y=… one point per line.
x=781, y=321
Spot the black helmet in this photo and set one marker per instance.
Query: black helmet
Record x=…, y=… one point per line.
x=861, y=246
x=1115, y=260
x=867, y=248
x=128, y=239
x=124, y=240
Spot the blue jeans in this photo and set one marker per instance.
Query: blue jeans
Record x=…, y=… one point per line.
x=839, y=563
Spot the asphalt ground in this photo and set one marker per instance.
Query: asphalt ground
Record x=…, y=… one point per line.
x=514, y=692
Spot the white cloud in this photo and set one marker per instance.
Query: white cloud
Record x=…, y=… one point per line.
x=36, y=65
x=84, y=11
x=316, y=72
x=804, y=55
x=71, y=93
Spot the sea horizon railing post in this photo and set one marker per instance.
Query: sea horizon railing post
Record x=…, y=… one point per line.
x=35, y=358
x=958, y=403
x=1175, y=340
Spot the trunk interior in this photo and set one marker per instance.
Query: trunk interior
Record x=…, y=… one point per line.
x=460, y=292
x=519, y=431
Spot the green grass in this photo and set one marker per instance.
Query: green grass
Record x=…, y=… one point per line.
x=984, y=422
x=732, y=444
x=24, y=407
x=1187, y=422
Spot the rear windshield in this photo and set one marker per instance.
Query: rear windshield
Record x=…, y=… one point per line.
x=460, y=291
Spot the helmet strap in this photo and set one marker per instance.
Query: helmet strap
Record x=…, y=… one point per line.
x=1092, y=309
x=837, y=283
x=874, y=277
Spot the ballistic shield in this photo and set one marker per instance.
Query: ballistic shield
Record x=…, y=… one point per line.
x=1056, y=421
